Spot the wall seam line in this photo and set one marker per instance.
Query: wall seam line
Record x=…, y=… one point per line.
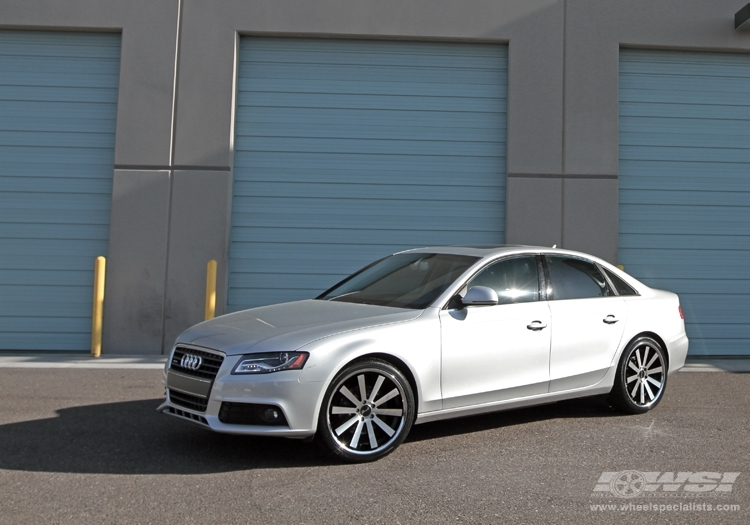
x=171, y=176
x=564, y=72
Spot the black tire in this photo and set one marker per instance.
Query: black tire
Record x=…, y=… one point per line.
x=641, y=377
x=359, y=426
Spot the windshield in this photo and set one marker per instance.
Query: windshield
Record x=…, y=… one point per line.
x=404, y=280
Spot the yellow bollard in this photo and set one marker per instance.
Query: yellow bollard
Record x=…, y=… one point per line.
x=210, y=290
x=621, y=267
x=100, y=268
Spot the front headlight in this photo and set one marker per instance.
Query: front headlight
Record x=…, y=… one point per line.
x=270, y=362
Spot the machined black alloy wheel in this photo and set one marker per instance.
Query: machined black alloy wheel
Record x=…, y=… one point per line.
x=367, y=412
x=641, y=377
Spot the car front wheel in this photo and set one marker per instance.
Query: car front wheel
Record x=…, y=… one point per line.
x=367, y=411
x=641, y=377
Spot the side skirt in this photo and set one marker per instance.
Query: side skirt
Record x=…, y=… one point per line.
x=602, y=387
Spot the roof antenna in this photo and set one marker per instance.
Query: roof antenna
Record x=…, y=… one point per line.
x=554, y=246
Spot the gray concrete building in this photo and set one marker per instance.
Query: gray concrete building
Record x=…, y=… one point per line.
x=295, y=141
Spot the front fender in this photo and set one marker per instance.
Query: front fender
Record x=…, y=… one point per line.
x=416, y=343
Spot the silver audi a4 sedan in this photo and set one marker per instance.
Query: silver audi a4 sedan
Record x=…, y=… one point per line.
x=429, y=334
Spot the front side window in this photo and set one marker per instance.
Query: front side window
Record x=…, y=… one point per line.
x=515, y=280
x=573, y=278
x=404, y=280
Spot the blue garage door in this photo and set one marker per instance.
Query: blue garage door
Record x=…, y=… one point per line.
x=685, y=187
x=349, y=150
x=58, y=102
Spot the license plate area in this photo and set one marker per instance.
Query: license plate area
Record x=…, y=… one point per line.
x=188, y=385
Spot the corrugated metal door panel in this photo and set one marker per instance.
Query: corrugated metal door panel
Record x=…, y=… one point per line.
x=346, y=151
x=685, y=187
x=58, y=106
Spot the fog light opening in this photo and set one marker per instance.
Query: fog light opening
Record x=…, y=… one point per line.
x=271, y=415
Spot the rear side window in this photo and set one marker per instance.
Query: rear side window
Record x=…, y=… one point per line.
x=621, y=286
x=573, y=278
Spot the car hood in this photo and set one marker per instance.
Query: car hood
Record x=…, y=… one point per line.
x=289, y=326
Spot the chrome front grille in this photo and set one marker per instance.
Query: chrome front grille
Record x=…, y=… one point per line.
x=190, y=376
x=209, y=366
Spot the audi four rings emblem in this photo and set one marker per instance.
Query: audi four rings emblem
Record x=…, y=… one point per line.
x=191, y=362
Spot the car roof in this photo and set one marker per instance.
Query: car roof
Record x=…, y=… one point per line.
x=494, y=250
x=477, y=250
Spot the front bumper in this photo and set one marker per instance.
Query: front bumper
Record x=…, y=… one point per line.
x=298, y=401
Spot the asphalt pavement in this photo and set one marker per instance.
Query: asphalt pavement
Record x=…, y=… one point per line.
x=84, y=444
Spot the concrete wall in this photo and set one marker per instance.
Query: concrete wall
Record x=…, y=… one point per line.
x=173, y=170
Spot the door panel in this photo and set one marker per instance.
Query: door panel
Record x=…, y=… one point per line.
x=583, y=343
x=489, y=354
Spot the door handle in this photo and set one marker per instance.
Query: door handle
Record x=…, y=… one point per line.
x=610, y=319
x=536, y=325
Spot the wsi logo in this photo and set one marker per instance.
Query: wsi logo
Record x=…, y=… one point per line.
x=631, y=483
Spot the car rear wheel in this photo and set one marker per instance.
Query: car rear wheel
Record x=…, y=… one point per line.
x=641, y=377
x=367, y=411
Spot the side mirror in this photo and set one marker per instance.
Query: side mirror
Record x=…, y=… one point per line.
x=480, y=296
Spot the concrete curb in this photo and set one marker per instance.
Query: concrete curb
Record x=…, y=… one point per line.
x=47, y=360
x=729, y=364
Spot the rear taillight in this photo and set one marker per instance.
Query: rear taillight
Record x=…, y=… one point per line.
x=679, y=308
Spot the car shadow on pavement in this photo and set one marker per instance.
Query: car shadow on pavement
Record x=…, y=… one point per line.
x=132, y=438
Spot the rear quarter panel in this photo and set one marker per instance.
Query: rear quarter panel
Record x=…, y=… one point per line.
x=657, y=311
